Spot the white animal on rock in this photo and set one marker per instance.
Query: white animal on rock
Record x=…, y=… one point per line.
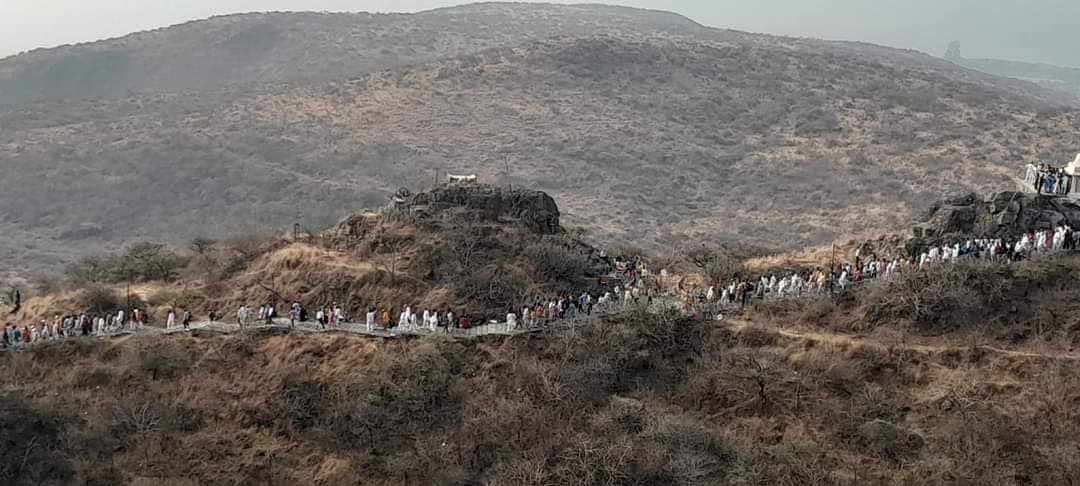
x=457, y=179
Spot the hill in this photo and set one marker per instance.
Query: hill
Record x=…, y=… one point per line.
x=281, y=47
x=472, y=249
x=646, y=140
x=274, y=48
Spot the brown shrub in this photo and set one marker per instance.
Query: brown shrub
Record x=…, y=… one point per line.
x=164, y=359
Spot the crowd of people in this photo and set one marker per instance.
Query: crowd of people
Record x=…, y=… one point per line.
x=379, y=318
x=741, y=291
x=1047, y=179
x=636, y=286
x=63, y=327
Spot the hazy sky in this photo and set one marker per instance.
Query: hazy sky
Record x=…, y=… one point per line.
x=1031, y=30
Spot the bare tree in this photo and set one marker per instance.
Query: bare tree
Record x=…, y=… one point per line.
x=718, y=263
x=203, y=256
x=201, y=246
x=467, y=244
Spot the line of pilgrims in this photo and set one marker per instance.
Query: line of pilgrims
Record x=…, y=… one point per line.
x=738, y=291
x=741, y=291
x=62, y=327
x=530, y=316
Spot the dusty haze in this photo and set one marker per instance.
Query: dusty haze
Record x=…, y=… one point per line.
x=1005, y=29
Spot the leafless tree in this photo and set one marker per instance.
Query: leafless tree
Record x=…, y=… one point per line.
x=467, y=244
x=718, y=262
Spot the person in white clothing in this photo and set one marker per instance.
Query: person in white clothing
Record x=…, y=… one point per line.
x=370, y=319
x=170, y=321
x=511, y=321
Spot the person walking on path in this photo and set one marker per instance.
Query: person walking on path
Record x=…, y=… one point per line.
x=511, y=321
x=242, y=315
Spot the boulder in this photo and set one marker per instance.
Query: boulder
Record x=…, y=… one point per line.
x=952, y=219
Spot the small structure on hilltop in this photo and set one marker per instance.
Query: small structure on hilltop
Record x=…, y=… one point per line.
x=1045, y=178
x=458, y=179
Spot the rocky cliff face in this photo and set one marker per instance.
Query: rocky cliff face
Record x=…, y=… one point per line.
x=1002, y=215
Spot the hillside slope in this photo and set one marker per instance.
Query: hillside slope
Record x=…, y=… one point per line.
x=637, y=399
x=645, y=141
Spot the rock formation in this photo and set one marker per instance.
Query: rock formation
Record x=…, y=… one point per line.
x=534, y=210
x=1001, y=215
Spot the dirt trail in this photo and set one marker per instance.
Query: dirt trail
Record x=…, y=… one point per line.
x=854, y=340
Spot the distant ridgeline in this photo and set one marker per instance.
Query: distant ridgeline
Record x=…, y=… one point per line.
x=1064, y=79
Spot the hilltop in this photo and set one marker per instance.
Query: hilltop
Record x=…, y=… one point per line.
x=275, y=48
x=470, y=248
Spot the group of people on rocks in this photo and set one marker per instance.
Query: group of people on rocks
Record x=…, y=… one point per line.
x=1047, y=179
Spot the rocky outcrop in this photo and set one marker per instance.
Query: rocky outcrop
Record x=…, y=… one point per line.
x=534, y=210
x=1001, y=215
